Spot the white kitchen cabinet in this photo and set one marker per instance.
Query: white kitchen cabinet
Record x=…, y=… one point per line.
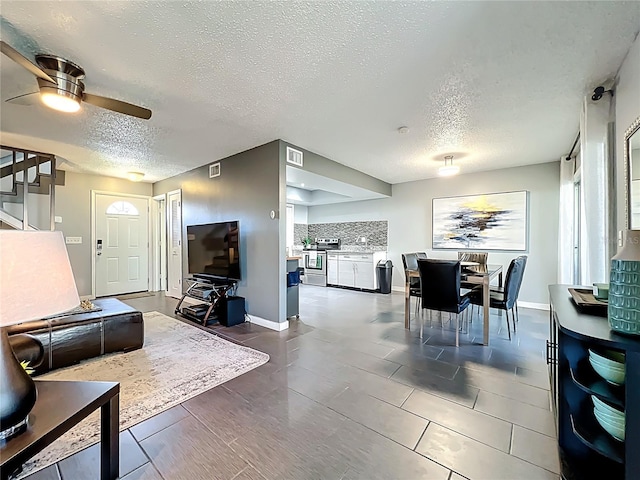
x=346, y=272
x=358, y=270
x=332, y=269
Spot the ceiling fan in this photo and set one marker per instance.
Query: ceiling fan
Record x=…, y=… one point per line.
x=61, y=86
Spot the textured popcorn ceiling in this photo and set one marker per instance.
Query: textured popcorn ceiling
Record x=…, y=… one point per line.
x=499, y=82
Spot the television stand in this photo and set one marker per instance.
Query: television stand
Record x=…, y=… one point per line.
x=210, y=292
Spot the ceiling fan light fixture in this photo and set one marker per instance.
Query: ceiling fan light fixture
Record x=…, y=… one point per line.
x=135, y=176
x=59, y=102
x=449, y=168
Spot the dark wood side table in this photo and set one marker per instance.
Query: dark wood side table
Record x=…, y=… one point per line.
x=60, y=406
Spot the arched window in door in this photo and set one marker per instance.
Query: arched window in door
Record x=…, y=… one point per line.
x=122, y=208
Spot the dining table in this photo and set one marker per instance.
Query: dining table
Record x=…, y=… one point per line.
x=481, y=274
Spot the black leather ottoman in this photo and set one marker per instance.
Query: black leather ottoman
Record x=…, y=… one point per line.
x=68, y=340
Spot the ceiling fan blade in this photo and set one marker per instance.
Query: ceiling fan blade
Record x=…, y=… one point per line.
x=117, y=106
x=23, y=61
x=24, y=99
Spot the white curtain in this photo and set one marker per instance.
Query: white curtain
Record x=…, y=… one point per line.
x=595, y=197
x=566, y=217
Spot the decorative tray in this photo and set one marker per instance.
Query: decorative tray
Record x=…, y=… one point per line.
x=585, y=302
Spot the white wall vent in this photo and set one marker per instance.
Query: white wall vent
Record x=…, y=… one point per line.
x=214, y=170
x=294, y=156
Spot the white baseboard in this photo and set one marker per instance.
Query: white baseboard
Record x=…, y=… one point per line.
x=263, y=322
x=534, y=305
x=397, y=289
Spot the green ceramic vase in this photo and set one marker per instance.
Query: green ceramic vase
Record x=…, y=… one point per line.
x=624, y=286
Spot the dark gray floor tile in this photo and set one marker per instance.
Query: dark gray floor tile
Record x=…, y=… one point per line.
x=384, y=389
x=49, y=473
x=287, y=441
x=256, y=383
x=370, y=348
x=509, y=388
x=249, y=473
x=474, y=459
x=314, y=386
x=361, y=380
x=532, y=377
x=187, y=450
x=158, y=422
x=145, y=472
x=86, y=463
x=454, y=390
x=479, y=426
x=224, y=412
x=535, y=448
x=414, y=354
x=372, y=456
x=392, y=422
x=292, y=413
x=416, y=361
x=379, y=366
x=522, y=414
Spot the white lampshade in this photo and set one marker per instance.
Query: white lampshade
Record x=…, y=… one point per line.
x=36, y=279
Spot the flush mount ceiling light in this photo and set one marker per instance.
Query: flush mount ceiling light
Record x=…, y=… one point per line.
x=403, y=129
x=60, y=102
x=449, y=168
x=135, y=176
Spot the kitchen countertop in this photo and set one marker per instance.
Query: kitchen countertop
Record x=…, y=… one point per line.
x=293, y=258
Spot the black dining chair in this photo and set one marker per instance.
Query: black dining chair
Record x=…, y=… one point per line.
x=501, y=289
x=478, y=257
x=410, y=262
x=440, y=287
x=506, y=298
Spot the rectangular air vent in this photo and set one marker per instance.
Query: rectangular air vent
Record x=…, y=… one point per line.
x=214, y=170
x=294, y=156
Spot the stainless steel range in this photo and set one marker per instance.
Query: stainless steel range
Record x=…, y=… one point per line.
x=315, y=261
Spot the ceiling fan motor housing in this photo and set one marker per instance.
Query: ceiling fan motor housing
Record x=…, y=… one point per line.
x=67, y=74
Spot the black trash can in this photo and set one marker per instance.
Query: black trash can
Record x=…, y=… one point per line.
x=383, y=270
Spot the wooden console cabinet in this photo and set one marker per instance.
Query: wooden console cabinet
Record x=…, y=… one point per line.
x=586, y=449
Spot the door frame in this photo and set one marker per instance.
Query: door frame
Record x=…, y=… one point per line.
x=93, y=233
x=159, y=241
x=182, y=246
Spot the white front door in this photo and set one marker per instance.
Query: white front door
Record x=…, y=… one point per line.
x=174, y=264
x=121, y=244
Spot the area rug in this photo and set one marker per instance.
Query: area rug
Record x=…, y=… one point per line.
x=178, y=361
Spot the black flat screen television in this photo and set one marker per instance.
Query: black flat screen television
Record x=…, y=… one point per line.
x=214, y=249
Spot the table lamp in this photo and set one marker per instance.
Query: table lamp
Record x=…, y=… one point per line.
x=36, y=281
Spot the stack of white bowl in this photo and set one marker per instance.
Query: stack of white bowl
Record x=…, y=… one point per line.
x=609, y=365
x=611, y=419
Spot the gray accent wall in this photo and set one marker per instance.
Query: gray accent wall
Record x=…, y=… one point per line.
x=73, y=204
x=408, y=212
x=250, y=185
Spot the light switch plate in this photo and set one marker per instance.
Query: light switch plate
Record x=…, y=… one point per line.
x=620, y=240
x=57, y=219
x=73, y=240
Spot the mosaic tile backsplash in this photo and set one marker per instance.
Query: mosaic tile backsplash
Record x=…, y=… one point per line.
x=349, y=233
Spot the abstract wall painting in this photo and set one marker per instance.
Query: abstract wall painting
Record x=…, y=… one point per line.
x=495, y=221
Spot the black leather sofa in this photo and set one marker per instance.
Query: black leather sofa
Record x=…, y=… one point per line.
x=63, y=341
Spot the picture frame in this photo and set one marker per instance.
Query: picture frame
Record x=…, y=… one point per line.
x=487, y=222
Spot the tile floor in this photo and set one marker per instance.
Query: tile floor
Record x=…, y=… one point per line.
x=350, y=394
